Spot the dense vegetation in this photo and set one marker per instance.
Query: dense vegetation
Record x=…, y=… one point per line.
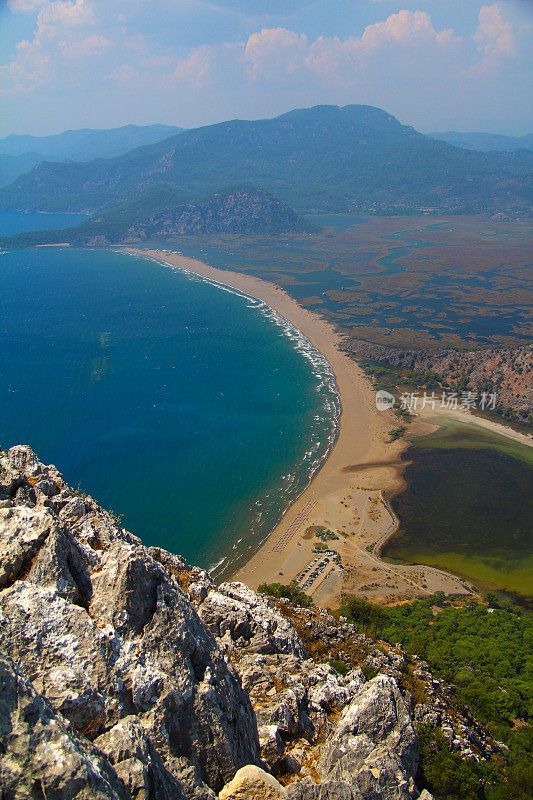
x=487, y=655
x=390, y=376
x=346, y=159
x=163, y=210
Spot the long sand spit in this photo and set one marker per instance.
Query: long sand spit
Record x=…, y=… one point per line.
x=348, y=494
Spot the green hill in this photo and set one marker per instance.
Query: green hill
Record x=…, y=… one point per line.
x=164, y=211
x=356, y=158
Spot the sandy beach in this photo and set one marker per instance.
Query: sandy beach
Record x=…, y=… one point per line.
x=347, y=496
x=330, y=537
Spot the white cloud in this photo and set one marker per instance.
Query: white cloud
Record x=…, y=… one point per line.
x=195, y=69
x=495, y=37
x=277, y=52
x=62, y=32
x=29, y=69
x=273, y=49
x=125, y=75
x=25, y=6
x=66, y=14
x=406, y=28
x=90, y=46
x=404, y=62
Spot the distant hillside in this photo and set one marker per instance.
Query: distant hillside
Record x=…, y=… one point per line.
x=88, y=143
x=18, y=154
x=356, y=158
x=13, y=166
x=486, y=142
x=161, y=211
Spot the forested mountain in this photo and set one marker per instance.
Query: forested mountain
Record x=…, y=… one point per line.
x=356, y=158
x=13, y=166
x=486, y=142
x=18, y=154
x=162, y=211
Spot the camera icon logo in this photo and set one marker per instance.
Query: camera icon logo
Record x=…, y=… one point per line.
x=384, y=400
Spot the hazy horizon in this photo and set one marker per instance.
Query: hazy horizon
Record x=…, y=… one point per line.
x=434, y=64
x=185, y=127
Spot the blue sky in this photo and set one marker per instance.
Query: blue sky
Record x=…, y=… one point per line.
x=435, y=64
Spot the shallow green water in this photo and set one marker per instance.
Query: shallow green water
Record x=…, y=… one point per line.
x=468, y=508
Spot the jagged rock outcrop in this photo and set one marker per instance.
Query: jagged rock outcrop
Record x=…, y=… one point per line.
x=104, y=632
x=374, y=744
x=42, y=755
x=331, y=790
x=249, y=620
x=126, y=674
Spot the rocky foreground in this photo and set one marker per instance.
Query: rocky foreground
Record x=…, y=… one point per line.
x=127, y=674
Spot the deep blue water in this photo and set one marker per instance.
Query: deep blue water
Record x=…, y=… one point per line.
x=188, y=409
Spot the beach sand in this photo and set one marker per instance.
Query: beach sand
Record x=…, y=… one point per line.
x=348, y=494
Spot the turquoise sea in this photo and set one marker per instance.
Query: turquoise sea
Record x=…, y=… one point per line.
x=192, y=410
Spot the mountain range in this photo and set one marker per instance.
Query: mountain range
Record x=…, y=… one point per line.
x=18, y=154
x=486, y=142
x=326, y=158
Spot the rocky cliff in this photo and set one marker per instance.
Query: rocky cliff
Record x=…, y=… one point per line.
x=125, y=673
x=503, y=370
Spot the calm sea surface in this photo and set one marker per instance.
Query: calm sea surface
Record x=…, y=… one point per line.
x=16, y=222
x=193, y=411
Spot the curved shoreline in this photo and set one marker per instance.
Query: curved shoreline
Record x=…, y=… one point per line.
x=346, y=492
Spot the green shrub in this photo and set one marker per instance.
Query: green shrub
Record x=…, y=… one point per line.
x=487, y=656
x=289, y=591
x=340, y=666
x=365, y=614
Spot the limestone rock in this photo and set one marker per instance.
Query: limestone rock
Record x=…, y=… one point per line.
x=124, y=589
x=331, y=790
x=374, y=745
x=68, y=657
x=24, y=531
x=200, y=585
x=272, y=746
x=41, y=755
x=63, y=565
x=107, y=633
x=129, y=665
x=288, y=713
x=250, y=620
x=130, y=750
x=329, y=691
x=252, y=783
